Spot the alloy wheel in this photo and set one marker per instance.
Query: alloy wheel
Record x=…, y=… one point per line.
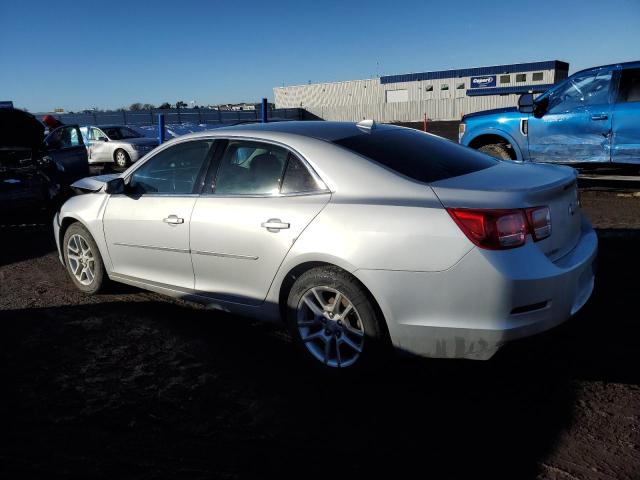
x=330, y=327
x=121, y=158
x=81, y=260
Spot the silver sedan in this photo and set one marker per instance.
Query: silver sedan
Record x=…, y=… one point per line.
x=360, y=237
x=116, y=144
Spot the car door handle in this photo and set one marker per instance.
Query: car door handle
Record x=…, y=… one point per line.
x=274, y=225
x=599, y=116
x=173, y=220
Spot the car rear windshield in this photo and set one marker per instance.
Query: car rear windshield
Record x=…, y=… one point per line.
x=414, y=154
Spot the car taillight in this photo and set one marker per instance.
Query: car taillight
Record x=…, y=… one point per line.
x=540, y=222
x=502, y=229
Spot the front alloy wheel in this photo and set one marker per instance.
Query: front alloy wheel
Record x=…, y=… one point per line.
x=82, y=263
x=82, y=259
x=122, y=158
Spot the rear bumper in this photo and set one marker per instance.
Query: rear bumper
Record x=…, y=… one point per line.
x=487, y=299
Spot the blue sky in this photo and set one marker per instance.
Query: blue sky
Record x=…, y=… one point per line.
x=79, y=54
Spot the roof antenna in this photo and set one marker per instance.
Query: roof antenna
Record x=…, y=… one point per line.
x=368, y=124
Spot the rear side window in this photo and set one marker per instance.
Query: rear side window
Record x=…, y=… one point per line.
x=298, y=179
x=421, y=157
x=629, y=86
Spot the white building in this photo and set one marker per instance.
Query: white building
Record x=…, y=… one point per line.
x=441, y=95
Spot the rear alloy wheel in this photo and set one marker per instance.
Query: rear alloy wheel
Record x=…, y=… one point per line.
x=82, y=259
x=333, y=320
x=122, y=158
x=496, y=150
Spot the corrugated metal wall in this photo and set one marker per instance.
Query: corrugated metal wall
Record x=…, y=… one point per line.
x=358, y=99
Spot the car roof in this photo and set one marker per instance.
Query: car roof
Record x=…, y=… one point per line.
x=321, y=130
x=114, y=125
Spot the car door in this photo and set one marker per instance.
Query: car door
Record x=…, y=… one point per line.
x=248, y=218
x=147, y=227
x=99, y=151
x=626, y=119
x=576, y=124
x=66, y=149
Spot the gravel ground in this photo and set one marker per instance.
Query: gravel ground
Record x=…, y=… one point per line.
x=129, y=384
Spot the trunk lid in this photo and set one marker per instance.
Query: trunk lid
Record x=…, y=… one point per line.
x=515, y=185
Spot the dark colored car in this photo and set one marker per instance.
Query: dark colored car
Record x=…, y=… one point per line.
x=36, y=172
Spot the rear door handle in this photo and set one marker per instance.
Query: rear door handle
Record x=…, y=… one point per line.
x=599, y=116
x=274, y=225
x=173, y=220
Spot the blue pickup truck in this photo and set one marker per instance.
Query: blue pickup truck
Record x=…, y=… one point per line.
x=591, y=117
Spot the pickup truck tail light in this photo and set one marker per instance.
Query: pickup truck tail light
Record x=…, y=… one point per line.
x=502, y=229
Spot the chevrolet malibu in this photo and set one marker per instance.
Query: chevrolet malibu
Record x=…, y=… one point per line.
x=360, y=237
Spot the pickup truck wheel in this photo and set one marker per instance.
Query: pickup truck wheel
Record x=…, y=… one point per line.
x=496, y=150
x=122, y=158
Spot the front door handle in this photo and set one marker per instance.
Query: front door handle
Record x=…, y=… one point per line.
x=599, y=116
x=274, y=225
x=173, y=220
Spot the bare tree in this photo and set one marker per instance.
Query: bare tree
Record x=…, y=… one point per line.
x=135, y=107
x=148, y=106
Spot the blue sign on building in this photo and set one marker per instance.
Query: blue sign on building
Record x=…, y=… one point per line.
x=483, y=82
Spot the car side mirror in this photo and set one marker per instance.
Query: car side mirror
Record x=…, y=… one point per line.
x=103, y=139
x=115, y=186
x=526, y=103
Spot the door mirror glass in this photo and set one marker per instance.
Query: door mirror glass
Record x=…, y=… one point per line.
x=525, y=103
x=115, y=186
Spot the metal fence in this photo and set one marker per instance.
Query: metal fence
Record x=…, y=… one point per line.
x=180, y=116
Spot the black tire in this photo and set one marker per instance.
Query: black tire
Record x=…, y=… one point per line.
x=98, y=273
x=375, y=343
x=121, y=158
x=496, y=150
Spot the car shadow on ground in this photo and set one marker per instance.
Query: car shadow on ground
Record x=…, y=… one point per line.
x=161, y=389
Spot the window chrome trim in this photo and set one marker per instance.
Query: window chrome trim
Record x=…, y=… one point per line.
x=216, y=137
x=265, y=195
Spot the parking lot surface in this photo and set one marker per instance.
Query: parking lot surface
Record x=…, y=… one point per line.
x=129, y=384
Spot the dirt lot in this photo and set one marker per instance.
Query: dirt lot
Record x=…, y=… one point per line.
x=132, y=385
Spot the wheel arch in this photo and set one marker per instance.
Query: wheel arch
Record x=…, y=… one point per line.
x=65, y=223
x=487, y=137
x=296, y=271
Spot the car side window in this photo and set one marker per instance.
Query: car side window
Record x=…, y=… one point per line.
x=298, y=178
x=64, y=137
x=250, y=168
x=590, y=88
x=629, y=90
x=95, y=134
x=174, y=170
